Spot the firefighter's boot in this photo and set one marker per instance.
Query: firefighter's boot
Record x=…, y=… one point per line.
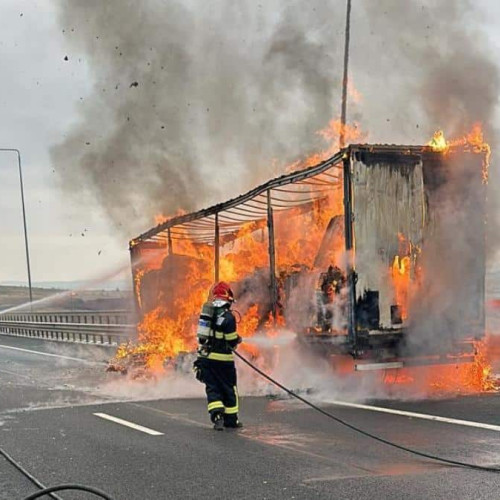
x=232, y=422
x=234, y=425
x=218, y=422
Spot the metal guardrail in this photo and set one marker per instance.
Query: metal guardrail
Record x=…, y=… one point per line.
x=118, y=317
x=96, y=328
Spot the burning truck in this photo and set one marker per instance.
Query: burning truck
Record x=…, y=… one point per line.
x=376, y=254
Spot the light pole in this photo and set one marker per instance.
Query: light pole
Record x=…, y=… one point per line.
x=12, y=150
x=345, y=79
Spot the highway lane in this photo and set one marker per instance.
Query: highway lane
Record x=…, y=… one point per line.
x=13, y=484
x=284, y=451
x=29, y=380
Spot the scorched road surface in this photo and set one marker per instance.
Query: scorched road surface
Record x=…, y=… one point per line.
x=62, y=432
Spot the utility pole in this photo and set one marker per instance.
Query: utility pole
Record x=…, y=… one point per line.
x=345, y=79
x=12, y=150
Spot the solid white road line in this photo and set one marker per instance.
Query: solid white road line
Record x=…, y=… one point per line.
x=126, y=423
x=48, y=354
x=423, y=416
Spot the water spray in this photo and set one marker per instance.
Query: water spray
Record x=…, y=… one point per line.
x=67, y=293
x=285, y=337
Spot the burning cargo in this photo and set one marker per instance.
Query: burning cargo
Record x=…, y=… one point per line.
x=377, y=252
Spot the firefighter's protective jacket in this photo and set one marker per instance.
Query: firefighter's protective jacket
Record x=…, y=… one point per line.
x=223, y=336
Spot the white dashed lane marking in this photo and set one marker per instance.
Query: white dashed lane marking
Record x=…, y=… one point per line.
x=126, y=423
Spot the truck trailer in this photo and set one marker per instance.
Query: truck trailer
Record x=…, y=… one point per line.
x=377, y=253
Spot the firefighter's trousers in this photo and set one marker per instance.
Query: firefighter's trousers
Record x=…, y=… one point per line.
x=222, y=393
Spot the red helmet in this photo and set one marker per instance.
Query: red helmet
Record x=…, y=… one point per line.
x=223, y=291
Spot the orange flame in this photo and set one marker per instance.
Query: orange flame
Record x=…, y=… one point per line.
x=169, y=327
x=354, y=94
x=472, y=142
x=401, y=281
x=139, y=274
x=331, y=134
x=470, y=375
x=438, y=142
x=402, y=275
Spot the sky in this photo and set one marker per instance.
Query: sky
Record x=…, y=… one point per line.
x=41, y=95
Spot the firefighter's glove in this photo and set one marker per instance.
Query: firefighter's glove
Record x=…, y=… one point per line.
x=198, y=370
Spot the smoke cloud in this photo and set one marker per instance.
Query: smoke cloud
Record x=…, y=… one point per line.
x=433, y=60
x=194, y=102
x=434, y=67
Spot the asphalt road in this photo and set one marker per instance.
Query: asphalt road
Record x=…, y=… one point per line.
x=48, y=423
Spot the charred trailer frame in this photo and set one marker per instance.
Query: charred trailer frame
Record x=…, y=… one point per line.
x=400, y=204
x=427, y=209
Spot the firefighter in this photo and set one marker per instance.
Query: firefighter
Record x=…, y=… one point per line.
x=214, y=367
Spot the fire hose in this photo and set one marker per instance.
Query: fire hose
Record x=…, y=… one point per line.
x=77, y=487
x=361, y=431
x=74, y=487
x=51, y=490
